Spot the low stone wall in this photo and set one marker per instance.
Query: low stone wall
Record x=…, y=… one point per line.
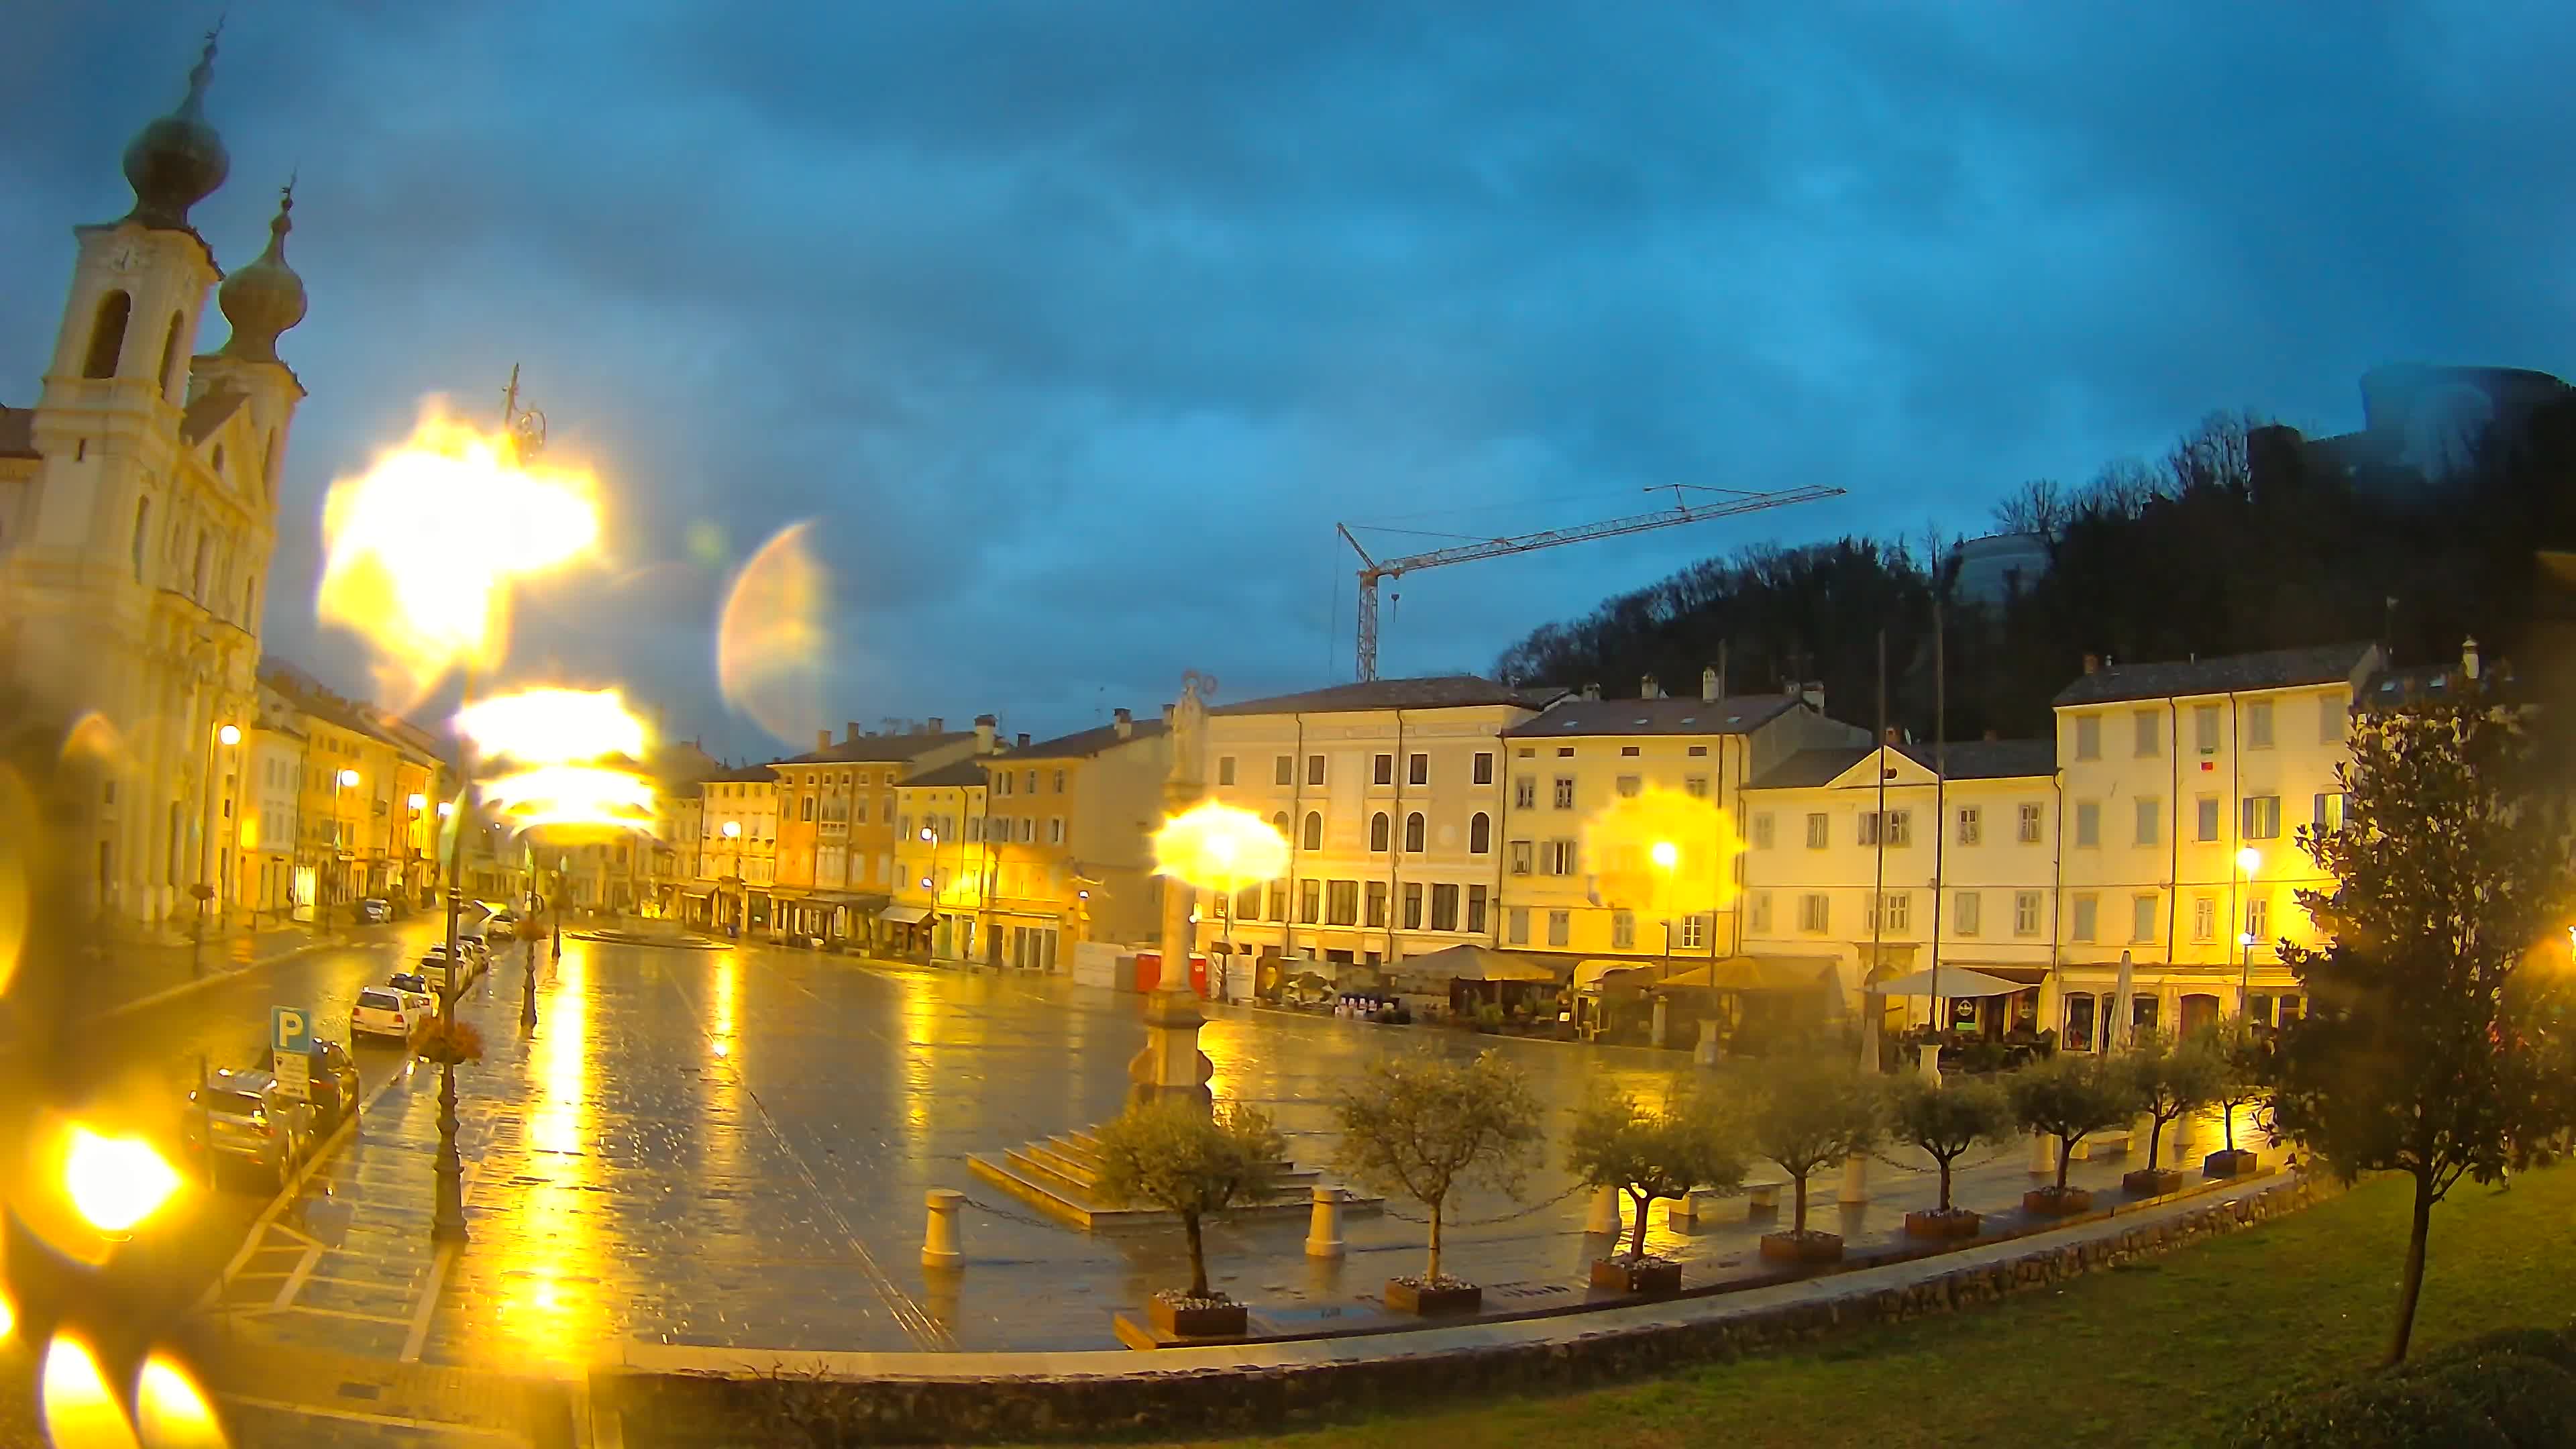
x=817, y=1405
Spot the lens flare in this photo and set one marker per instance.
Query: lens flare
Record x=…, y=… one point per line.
x=79, y=1411
x=419, y=550
x=771, y=639
x=171, y=1410
x=8, y=1315
x=1662, y=854
x=552, y=726
x=571, y=795
x=1220, y=848
x=115, y=1182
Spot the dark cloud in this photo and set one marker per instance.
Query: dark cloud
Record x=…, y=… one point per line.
x=1078, y=326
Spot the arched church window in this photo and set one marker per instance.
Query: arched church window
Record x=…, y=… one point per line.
x=219, y=460
x=197, y=571
x=268, y=471
x=1314, y=830
x=170, y=359
x=107, y=335
x=142, y=531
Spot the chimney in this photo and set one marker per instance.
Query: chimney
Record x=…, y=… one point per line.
x=822, y=739
x=1708, y=686
x=2092, y=663
x=1021, y=740
x=984, y=733
x=1592, y=691
x=935, y=725
x=850, y=731
x=1648, y=688
x=2469, y=658
x=1124, y=722
x=1813, y=692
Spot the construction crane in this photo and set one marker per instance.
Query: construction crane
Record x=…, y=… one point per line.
x=1683, y=511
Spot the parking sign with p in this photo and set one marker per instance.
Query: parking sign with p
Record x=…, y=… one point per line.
x=289, y=1030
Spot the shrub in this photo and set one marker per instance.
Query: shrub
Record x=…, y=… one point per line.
x=2378, y=1413
x=2070, y=1097
x=2547, y=1345
x=1810, y=1112
x=1650, y=1154
x=450, y=1042
x=2531, y=1401
x=1188, y=1162
x=1423, y=1125
x=1949, y=1120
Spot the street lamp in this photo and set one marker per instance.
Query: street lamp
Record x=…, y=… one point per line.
x=2248, y=861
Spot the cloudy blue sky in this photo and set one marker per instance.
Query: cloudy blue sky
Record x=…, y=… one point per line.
x=1079, y=325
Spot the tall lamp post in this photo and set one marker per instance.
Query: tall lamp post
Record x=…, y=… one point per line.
x=2248, y=861
x=563, y=864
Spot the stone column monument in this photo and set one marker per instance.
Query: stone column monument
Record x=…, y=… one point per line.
x=1171, y=1066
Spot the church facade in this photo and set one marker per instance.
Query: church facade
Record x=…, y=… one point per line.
x=138, y=507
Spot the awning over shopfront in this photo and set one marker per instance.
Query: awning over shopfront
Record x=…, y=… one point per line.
x=904, y=915
x=1598, y=975
x=1760, y=973
x=1953, y=981
x=834, y=900
x=1477, y=963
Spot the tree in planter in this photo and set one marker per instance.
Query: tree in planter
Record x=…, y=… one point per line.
x=2070, y=1097
x=1425, y=1124
x=1809, y=1112
x=2426, y=1049
x=2174, y=1078
x=2244, y=1058
x=1189, y=1162
x=1688, y=1144
x=1948, y=1121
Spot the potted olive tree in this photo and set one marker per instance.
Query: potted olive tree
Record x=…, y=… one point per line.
x=1425, y=1124
x=1190, y=1162
x=2173, y=1078
x=2070, y=1097
x=1647, y=1154
x=1809, y=1113
x=1947, y=1122
x=2244, y=1058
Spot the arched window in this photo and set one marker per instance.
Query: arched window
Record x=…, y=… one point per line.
x=1379, y=831
x=142, y=530
x=197, y=570
x=1279, y=822
x=1413, y=832
x=1480, y=833
x=219, y=460
x=1314, y=830
x=107, y=335
x=170, y=359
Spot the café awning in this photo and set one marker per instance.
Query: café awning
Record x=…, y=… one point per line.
x=905, y=915
x=1597, y=975
x=1760, y=973
x=1476, y=963
x=1954, y=981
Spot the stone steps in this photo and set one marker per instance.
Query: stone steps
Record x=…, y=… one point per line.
x=1060, y=1175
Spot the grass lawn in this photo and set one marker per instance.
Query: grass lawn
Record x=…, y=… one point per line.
x=2156, y=1354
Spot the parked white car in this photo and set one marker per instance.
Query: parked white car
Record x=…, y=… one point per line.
x=384, y=1011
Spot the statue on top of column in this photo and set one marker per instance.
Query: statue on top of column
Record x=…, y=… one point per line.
x=1189, y=729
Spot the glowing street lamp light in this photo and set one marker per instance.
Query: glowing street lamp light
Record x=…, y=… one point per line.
x=1222, y=849
x=115, y=1182
x=2249, y=860
x=418, y=802
x=733, y=830
x=229, y=734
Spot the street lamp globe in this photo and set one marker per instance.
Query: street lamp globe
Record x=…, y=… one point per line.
x=1666, y=854
x=446, y=807
x=229, y=734
x=418, y=801
x=2249, y=860
x=732, y=829
x=349, y=779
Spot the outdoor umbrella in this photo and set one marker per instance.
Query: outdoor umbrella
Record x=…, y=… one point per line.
x=2122, y=1013
x=1955, y=981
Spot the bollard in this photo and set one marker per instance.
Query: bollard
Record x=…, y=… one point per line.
x=939, y=1242
x=1928, y=1065
x=1603, y=1220
x=1855, y=1186
x=2043, y=1155
x=1705, y=1054
x=1683, y=1215
x=1324, y=1229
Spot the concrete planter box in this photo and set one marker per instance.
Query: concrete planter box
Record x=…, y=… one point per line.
x=2151, y=1182
x=2238, y=1163
x=1956, y=1223
x=2048, y=1202
x=1448, y=1297
x=1198, y=1319
x=1810, y=1246
x=1643, y=1277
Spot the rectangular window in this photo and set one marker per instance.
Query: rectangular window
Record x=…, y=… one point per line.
x=1376, y=903
x=1762, y=831
x=1965, y=911
x=1524, y=793
x=1815, y=912
x=1819, y=831
x=2088, y=737
x=2262, y=817
x=2142, y=918
x=1476, y=907
x=1900, y=828
x=1560, y=927
x=1028, y=830
x=2027, y=832
x=1867, y=831
x=1278, y=910
x=1444, y=908
x=1565, y=792
x=2150, y=811
x=1894, y=913
x=806, y=812
x=1413, y=905
x=1516, y=926
x=1417, y=770
x=2204, y=918
x=1382, y=769
x=2088, y=823
x=2087, y=909
x=2330, y=807
x=1695, y=786
x=1520, y=857
x=1285, y=771
x=1758, y=917
x=2258, y=919
x=1004, y=782
x=1484, y=767
x=2150, y=734
x=2205, y=818
x=975, y=829
x=1225, y=769
x=1342, y=903
x=1055, y=830
x=2204, y=728
x=1623, y=930
x=2332, y=716
x=1629, y=785
x=1560, y=857
x=1694, y=933
x=2258, y=725
x=1310, y=901
x=1971, y=827
x=2026, y=913
x=1314, y=769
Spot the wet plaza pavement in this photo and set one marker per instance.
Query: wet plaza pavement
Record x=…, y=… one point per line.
x=730, y=1148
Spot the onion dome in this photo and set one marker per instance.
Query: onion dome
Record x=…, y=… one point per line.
x=177, y=160
x=265, y=298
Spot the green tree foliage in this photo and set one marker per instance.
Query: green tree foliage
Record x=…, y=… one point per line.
x=2175, y=1077
x=1948, y=1121
x=1421, y=1125
x=1807, y=1112
x=1691, y=1142
x=2070, y=1097
x=2426, y=1049
x=1177, y=1158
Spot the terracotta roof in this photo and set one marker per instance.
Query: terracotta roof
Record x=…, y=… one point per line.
x=878, y=749
x=1962, y=759
x=1738, y=714
x=965, y=772
x=1083, y=744
x=1437, y=691
x=17, y=432
x=2270, y=669
x=207, y=413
